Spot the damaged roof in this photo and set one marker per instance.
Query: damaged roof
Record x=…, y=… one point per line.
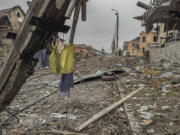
x=3, y=11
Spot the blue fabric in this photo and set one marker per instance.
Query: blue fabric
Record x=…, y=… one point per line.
x=66, y=83
x=42, y=58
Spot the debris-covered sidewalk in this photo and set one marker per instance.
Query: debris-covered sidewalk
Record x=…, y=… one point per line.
x=154, y=110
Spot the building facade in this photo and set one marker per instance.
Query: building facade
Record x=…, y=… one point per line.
x=140, y=45
x=10, y=21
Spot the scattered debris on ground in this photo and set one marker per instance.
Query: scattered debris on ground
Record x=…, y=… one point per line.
x=155, y=109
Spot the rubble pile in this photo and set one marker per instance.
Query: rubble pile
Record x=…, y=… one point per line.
x=155, y=110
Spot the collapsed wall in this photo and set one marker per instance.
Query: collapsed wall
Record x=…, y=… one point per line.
x=170, y=53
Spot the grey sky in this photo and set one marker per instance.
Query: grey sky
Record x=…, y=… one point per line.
x=100, y=26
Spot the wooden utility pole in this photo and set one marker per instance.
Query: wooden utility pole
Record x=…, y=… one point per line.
x=44, y=18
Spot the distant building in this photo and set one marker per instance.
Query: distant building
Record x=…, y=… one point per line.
x=82, y=50
x=125, y=48
x=141, y=44
x=10, y=21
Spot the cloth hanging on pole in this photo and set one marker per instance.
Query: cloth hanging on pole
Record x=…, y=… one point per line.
x=63, y=63
x=66, y=83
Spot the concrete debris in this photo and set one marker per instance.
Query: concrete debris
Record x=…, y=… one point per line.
x=145, y=115
x=134, y=94
x=138, y=68
x=175, y=81
x=69, y=116
x=150, y=109
x=150, y=131
x=166, y=88
x=166, y=108
x=167, y=74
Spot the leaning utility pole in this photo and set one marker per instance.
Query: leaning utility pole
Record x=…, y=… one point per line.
x=43, y=19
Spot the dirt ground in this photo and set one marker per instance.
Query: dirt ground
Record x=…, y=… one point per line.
x=153, y=111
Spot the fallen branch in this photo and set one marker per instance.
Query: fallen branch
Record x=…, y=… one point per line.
x=106, y=110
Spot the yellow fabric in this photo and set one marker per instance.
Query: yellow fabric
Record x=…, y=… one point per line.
x=62, y=63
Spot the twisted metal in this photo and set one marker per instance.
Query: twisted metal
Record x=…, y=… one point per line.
x=154, y=4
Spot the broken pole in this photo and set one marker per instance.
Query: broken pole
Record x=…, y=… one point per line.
x=75, y=21
x=106, y=110
x=84, y=10
x=142, y=5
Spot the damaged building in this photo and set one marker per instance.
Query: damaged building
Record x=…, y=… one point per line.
x=10, y=22
x=161, y=20
x=140, y=45
x=112, y=95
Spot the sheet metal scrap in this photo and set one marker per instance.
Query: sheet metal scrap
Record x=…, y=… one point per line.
x=97, y=75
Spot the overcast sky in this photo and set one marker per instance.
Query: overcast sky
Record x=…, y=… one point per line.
x=100, y=26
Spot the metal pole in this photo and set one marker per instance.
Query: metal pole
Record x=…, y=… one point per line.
x=117, y=47
x=158, y=29
x=167, y=29
x=117, y=31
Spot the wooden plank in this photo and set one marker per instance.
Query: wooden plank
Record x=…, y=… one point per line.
x=61, y=132
x=106, y=110
x=128, y=109
x=15, y=70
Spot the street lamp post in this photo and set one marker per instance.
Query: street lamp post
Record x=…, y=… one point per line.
x=117, y=30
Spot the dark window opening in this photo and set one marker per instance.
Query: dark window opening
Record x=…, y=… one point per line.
x=1, y=43
x=4, y=21
x=144, y=39
x=143, y=50
x=18, y=14
x=155, y=39
x=171, y=34
x=164, y=28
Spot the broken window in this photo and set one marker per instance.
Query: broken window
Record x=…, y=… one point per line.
x=143, y=49
x=171, y=34
x=18, y=14
x=4, y=21
x=20, y=17
x=144, y=39
x=155, y=39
